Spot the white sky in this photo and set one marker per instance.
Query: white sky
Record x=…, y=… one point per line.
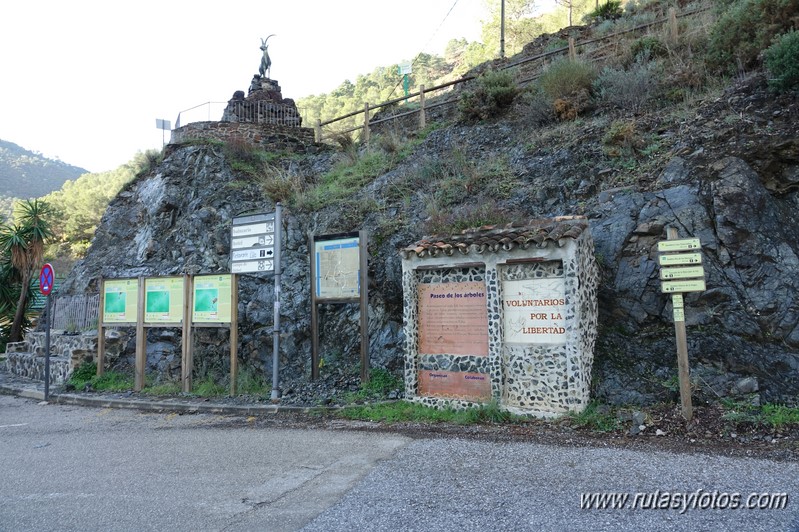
x=85, y=80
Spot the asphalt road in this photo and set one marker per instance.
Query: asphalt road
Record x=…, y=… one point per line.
x=77, y=468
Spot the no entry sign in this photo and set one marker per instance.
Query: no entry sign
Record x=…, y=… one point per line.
x=46, y=280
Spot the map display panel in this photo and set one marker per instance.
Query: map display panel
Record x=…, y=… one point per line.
x=120, y=300
x=163, y=300
x=338, y=264
x=212, y=299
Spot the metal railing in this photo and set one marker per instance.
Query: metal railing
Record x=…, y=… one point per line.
x=259, y=112
x=75, y=313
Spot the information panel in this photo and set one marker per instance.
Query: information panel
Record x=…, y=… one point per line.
x=212, y=299
x=453, y=319
x=337, y=268
x=120, y=300
x=455, y=384
x=163, y=300
x=534, y=311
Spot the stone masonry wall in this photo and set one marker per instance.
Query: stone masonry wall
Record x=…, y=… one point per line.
x=270, y=137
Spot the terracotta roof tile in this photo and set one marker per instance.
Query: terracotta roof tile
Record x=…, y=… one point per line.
x=490, y=238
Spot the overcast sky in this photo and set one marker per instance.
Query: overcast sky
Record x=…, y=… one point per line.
x=85, y=80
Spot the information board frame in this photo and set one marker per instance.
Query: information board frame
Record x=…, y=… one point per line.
x=361, y=297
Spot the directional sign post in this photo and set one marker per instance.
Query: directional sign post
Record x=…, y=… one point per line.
x=252, y=244
x=255, y=242
x=46, y=282
x=681, y=272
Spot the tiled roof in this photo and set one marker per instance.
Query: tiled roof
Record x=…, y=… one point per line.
x=491, y=238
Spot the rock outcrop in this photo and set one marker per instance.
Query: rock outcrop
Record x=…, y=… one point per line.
x=741, y=203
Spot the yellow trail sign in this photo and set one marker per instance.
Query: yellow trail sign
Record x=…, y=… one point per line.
x=685, y=244
x=682, y=273
x=680, y=259
x=694, y=285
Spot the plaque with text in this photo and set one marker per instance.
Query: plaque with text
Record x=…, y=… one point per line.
x=534, y=311
x=455, y=384
x=453, y=319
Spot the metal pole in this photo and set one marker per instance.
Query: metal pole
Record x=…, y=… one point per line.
x=276, y=332
x=502, y=32
x=47, y=352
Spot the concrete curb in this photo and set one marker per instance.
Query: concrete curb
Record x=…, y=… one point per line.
x=155, y=406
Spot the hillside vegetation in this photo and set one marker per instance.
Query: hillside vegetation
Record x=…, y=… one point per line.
x=25, y=174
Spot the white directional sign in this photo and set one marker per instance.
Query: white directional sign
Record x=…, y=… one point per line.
x=252, y=241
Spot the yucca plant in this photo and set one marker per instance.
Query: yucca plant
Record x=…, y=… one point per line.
x=22, y=245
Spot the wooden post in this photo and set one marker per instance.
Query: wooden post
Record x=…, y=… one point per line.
x=314, y=313
x=673, y=28
x=682, y=348
x=572, y=50
x=364, y=301
x=234, y=333
x=187, y=338
x=100, y=332
x=422, y=117
x=366, y=123
x=141, y=340
x=318, y=130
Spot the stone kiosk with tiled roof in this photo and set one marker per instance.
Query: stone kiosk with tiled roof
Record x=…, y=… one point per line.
x=504, y=313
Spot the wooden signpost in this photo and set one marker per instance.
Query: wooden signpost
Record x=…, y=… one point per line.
x=681, y=272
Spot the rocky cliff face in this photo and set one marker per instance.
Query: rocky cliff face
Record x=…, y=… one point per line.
x=725, y=170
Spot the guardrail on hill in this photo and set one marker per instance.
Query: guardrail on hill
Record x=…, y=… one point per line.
x=423, y=94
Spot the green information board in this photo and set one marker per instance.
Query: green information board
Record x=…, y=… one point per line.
x=120, y=300
x=163, y=300
x=212, y=299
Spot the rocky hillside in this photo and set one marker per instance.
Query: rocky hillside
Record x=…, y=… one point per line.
x=721, y=164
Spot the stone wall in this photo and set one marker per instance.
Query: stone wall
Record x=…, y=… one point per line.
x=265, y=136
x=67, y=351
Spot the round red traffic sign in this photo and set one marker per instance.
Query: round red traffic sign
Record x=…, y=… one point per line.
x=46, y=280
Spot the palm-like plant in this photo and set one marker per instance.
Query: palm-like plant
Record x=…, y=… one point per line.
x=23, y=246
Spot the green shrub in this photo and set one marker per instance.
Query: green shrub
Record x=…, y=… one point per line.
x=84, y=372
x=111, y=381
x=782, y=61
x=610, y=10
x=648, y=47
x=629, y=89
x=381, y=382
x=565, y=78
x=492, y=94
x=744, y=29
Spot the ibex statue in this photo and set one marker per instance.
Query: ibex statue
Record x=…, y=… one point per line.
x=266, y=63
